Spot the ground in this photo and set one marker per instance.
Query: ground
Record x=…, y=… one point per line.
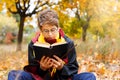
x=104, y=70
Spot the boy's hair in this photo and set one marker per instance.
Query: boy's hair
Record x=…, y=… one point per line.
x=48, y=16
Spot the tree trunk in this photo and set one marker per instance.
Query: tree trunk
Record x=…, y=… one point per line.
x=84, y=29
x=20, y=33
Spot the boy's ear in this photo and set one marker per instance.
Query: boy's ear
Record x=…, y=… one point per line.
x=59, y=28
x=40, y=30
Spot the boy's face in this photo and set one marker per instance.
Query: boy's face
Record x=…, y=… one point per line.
x=49, y=31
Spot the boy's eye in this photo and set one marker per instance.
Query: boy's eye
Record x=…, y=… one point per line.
x=51, y=30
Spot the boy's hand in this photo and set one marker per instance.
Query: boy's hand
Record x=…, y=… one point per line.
x=57, y=62
x=45, y=63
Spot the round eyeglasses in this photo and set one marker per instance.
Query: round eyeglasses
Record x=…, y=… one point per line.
x=53, y=30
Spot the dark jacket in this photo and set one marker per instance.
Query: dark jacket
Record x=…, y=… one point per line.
x=69, y=69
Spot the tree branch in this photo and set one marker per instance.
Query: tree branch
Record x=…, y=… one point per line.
x=24, y=4
x=13, y=12
x=18, y=6
x=36, y=7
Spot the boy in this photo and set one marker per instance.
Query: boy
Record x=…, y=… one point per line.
x=50, y=68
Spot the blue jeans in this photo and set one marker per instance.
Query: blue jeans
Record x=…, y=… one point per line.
x=19, y=75
x=84, y=76
x=22, y=75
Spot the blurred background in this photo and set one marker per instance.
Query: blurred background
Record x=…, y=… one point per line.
x=94, y=25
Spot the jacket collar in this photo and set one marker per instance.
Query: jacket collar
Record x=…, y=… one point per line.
x=61, y=32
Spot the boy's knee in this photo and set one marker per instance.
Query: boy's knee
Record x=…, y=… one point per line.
x=12, y=75
x=19, y=75
x=84, y=76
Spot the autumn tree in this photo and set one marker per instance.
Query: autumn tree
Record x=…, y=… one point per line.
x=67, y=21
x=23, y=8
x=95, y=15
x=82, y=13
x=105, y=21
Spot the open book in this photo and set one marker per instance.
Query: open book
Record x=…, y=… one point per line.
x=46, y=49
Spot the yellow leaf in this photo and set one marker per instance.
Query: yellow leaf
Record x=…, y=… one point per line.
x=91, y=67
x=101, y=71
x=1, y=5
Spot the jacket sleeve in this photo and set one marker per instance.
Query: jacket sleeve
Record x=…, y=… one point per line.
x=31, y=59
x=31, y=55
x=71, y=67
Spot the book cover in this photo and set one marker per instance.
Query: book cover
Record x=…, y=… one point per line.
x=44, y=49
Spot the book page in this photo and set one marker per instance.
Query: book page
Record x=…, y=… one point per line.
x=39, y=44
x=59, y=43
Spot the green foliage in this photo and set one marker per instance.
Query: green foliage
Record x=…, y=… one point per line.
x=17, y=17
x=72, y=28
x=28, y=33
x=63, y=18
